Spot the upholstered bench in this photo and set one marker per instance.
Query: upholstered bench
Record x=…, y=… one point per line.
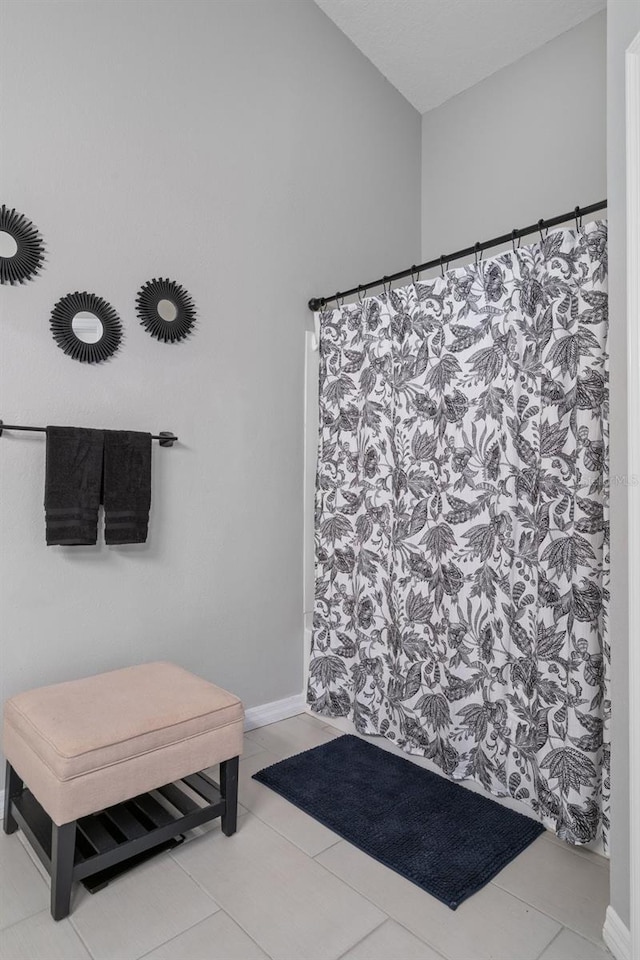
x=102, y=770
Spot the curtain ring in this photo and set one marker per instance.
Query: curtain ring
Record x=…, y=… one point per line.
x=477, y=251
x=515, y=235
x=414, y=269
x=359, y=294
x=442, y=265
x=540, y=228
x=578, y=217
x=337, y=300
x=386, y=290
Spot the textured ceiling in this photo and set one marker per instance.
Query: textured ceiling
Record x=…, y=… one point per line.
x=430, y=50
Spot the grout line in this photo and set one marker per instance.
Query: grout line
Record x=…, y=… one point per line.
x=227, y=910
x=576, y=850
x=352, y=946
x=553, y=940
x=81, y=938
x=376, y=905
x=564, y=923
x=335, y=843
x=47, y=912
x=406, y=929
x=197, y=883
x=93, y=956
x=275, y=829
x=197, y=924
x=21, y=920
x=251, y=937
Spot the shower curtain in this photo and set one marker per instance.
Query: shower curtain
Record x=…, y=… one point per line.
x=462, y=524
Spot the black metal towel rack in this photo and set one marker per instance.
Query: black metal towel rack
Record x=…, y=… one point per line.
x=166, y=438
x=317, y=303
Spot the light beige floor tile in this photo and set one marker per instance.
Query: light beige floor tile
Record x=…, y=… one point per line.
x=41, y=938
x=216, y=938
x=307, y=833
x=289, y=904
x=291, y=736
x=250, y=746
x=142, y=909
x=561, y=884
x=489, y=924
x=586, y=852
x=570, y=946
x=314, y=720
x=23, y=892
x=391, y=941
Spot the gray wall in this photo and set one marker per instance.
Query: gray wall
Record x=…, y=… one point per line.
x=623, y=23
x=527, y=142
x=243, y=149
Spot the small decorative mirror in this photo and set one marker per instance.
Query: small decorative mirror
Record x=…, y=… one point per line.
x=21, y=247
x=166, y=310
x=86, y=327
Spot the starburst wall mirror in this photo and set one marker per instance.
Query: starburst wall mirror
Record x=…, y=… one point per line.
x=165, y=310
x=86, y=327
x=21, y=247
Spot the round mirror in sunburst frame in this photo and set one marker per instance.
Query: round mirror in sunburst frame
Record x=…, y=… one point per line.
x=21, y=247
x=166, y=310
x=86, y=327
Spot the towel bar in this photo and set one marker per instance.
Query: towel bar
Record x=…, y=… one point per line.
x=166, y=438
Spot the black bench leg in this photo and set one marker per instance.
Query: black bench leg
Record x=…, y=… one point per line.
x=63, y=846
x=12, y=789
x=229, y=791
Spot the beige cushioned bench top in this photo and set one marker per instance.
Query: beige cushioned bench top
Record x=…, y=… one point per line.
x=145, y=725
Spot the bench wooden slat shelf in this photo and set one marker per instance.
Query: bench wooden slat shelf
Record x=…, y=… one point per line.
x=136, y=836
x=149, y=807
x=124, y=820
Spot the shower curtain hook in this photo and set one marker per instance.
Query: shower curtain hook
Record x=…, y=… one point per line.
x=337, y=299
x=359, y=294
x=415, y=270
x=540, y=228
x=386, y=286
x=578, y=217
x=477, y=251
x=515, y=235
x=442, y=265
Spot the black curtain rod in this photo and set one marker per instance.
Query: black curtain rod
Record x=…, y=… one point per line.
x=317, y=303
x=166, y=438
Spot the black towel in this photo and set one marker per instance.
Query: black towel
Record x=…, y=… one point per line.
x=72, y=485
x=127, y=486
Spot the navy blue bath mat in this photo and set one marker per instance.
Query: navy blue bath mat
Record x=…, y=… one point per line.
x=439, y=835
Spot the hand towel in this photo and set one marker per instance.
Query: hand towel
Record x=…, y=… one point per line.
x=127, y=486
x=72, y=485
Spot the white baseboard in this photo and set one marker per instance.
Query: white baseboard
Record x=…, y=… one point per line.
x=616, y=935
x=272, y=712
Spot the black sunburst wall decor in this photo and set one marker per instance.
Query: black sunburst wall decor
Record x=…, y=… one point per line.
x=148, y=301
x=29, y=255
x=62, y=327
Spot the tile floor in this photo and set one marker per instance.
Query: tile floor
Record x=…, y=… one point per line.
x=288, y=888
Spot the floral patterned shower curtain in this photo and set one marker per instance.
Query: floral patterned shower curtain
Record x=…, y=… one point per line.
x=462, y=524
